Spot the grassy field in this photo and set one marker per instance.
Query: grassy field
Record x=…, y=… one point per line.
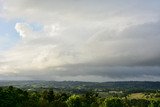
x=136, y=96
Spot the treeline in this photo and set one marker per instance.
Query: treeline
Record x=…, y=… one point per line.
x=15, y=97
x=67, y=85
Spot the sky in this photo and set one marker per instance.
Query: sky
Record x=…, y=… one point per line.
x=80, y=40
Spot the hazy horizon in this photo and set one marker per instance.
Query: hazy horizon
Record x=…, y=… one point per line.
x=80, y=40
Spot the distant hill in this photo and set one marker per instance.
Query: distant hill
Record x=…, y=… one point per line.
x=125, y=85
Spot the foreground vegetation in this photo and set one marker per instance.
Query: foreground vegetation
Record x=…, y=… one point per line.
x=16, y=97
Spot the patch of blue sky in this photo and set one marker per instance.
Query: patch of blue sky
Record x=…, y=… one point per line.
x=9, y=36
x=36, y=27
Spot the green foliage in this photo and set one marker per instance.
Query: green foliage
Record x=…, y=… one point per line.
x=15, y=97
x=90, y=99
x=113, y=102
x=138, y=102
x=154, y=103
x=74, y=101
x=49, y=95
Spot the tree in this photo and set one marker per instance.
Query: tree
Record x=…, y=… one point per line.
x=113, y=102
x=74, y=101
x=90, y=99
x=49, y=95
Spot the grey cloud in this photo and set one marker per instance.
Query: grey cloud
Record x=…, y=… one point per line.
x=115, y=73
x=119, y=56
x=74, y=10
x=110, y=40
x=135, y=46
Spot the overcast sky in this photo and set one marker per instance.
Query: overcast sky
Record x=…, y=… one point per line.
x=81, y=40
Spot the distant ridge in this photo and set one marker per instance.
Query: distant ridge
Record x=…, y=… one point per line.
x=147, y=85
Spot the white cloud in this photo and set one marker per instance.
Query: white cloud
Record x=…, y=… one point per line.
x=23, y=29
x=52, y=29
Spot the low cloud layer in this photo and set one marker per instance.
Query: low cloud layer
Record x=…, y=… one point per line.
x=83, y=40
